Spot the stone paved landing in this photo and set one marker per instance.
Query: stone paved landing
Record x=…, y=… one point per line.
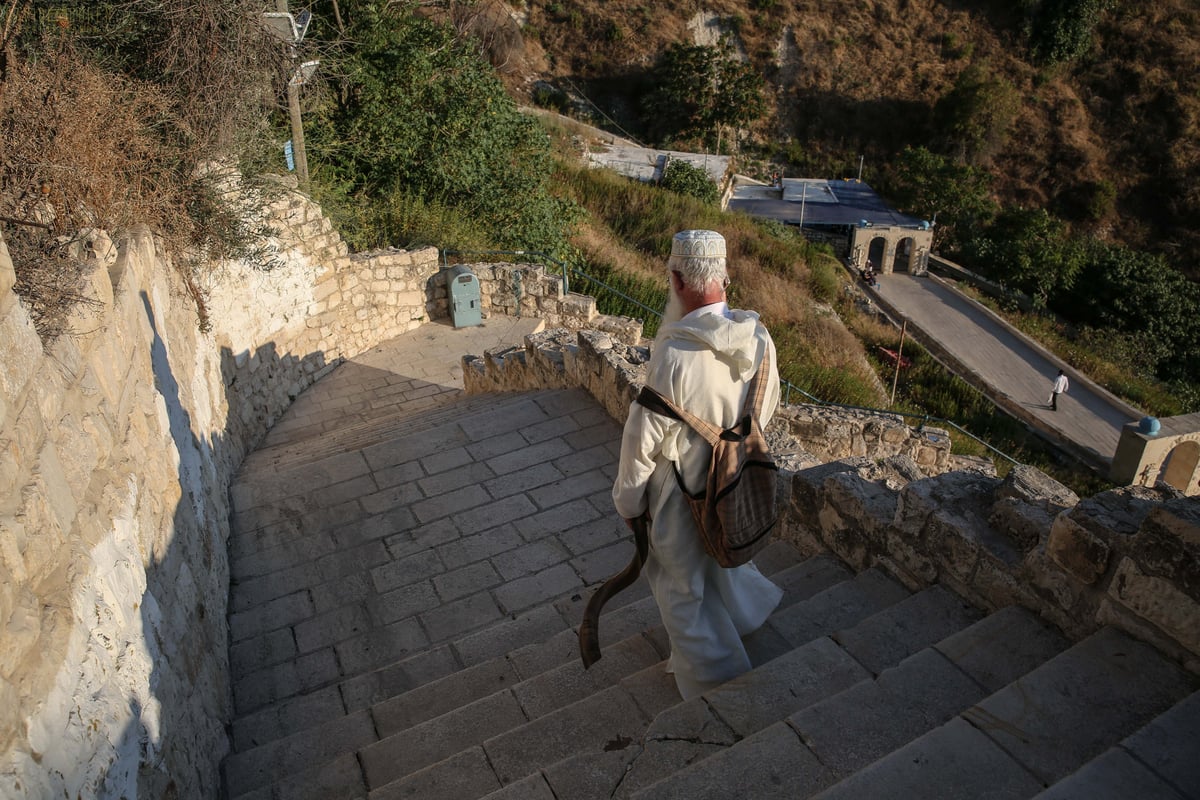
x=388, y=517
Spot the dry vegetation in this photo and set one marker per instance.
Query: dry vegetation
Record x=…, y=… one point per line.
x=789, y=283
x=864, y=78
x=104, y=134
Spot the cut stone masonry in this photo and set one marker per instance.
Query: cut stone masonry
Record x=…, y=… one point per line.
x=885, y=494
x=119, y=444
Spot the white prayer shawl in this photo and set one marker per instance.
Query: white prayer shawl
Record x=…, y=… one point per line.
x=702, y=362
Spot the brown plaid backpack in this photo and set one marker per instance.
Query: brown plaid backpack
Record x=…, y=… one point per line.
x=736, y=510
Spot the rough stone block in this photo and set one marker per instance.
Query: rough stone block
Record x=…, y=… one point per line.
x=1168, y=544
x=1077, y=549
x=8, y=276
x=1034, y=487
x=1119, y=512
x=1021, y=522
x=22, y=351
x=1158, y=601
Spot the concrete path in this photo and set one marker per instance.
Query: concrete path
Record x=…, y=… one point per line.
x=1018, y=371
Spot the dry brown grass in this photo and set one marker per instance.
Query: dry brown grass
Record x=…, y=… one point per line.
x=863, y=78
x=600, y=244
x=769, y=275
x=79, y=152
x=85, y=145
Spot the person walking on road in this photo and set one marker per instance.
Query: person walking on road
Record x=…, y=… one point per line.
x=1058, y=387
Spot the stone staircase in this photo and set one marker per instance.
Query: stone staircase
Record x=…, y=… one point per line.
x=404, y=606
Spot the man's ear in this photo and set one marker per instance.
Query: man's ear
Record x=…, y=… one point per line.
x=676, y=281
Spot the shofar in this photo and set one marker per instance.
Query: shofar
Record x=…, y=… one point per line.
x=589, y=629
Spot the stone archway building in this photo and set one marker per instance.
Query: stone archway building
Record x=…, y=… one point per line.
x=891, y=249
x=845, y=214
x=1170, y=454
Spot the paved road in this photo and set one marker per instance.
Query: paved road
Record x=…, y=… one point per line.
x=1018, y=370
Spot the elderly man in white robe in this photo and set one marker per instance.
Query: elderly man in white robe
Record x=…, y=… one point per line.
x=702, y=359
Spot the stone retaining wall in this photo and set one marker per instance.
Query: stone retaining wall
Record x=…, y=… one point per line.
x=612, y=368
x=117, y=446
x=118, y=443
x=876, y=492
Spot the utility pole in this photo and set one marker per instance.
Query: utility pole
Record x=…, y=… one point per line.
x=285, y=27
x=899, y=357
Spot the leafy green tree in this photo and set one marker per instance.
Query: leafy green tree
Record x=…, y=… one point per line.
x=421, y=113
x=702, y=90
x=1062, y=29
x=1139, y=293
x=956, y=196
x=684, y=178
x=1029, y=250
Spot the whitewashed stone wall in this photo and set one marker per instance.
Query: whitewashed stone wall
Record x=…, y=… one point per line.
x=117, y=446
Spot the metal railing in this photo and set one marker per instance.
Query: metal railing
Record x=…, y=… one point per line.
x=786, y=387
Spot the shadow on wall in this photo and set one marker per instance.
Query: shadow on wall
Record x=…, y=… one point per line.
x=178, y=730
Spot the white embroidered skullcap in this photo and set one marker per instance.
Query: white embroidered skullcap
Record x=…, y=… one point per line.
x=698, y=256
x=698, y=244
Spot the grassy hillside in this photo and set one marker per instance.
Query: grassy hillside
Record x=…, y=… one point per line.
x=1109, y=140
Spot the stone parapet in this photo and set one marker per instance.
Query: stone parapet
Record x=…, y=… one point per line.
x=877, y=492
x=610, y=363
x=1128, y=557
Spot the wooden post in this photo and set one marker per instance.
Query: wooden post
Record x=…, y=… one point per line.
x=293, y=96
x=899, y=356
x=293, y=90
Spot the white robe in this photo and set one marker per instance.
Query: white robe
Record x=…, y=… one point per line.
x=702, y=362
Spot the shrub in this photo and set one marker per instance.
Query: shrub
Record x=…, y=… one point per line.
x=421, y=113
x=687, y=179
x=547, y=96
x=978, y=112
x=1062, y=29
x=140, y=127
x=700, y=91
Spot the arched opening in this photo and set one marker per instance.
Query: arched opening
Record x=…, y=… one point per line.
x=904, y=253
x=1179, y=470
x=876, y=252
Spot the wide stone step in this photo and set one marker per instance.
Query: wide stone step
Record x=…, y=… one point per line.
x=1157, y=763
x=678, y=734
x=414, y=702
x=836, y=736
x=1035, y=731
x=371, y=427
x=518, y=648
x=422, y=726
x=605, y=720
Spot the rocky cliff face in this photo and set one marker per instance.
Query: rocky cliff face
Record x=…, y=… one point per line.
x=846, y=81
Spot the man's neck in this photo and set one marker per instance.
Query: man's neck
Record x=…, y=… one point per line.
x=694, y=300
x=719, y=308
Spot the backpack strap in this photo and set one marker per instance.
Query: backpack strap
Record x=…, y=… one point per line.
x=657, y=403
x=758, y=389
